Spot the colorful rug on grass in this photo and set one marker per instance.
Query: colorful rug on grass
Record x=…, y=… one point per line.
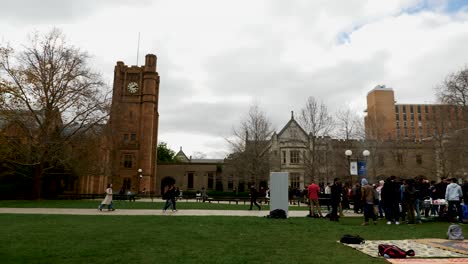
x=431, y=260
x=371, y=248
x=458, y=246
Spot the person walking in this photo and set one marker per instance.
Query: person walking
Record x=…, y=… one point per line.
x=253, y=198
x=368, y=198
x=453, y=196
x=313, y=191
x=108, y=199
x=169, y=196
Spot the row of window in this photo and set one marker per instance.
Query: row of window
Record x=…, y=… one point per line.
x=399, y=159
x=294, y=156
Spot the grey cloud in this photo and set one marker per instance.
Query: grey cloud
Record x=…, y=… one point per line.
x=57, y=11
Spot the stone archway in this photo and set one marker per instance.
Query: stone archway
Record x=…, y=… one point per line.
x=166, y=181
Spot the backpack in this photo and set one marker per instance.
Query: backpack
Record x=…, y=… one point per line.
x=455, y=232
x=352, y=239
x=277, y=213
x=392, y=251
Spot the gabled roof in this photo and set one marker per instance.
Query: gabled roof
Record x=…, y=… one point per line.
x=292, y=121
x=181, y=156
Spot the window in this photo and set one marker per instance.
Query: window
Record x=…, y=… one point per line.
x=426, y=109
x=210, y=180
x=190, y=180
x=419, y=109
x=400, y=159
x=396, y=109
x=284, y=156
x=230, y=182
x=132, y=137
x=294, y=157
x=380, y=161
x=125, y=137
x=405, y=124
x=128, y=161
x=411, y=109
x=397, y=117
x=127, y=183
x=406, y=132
x=419, y=116
x=412, y=123
x=295, y=179
x=404, y=109
x=419, y=124
x=419, y=159
x=398, y=123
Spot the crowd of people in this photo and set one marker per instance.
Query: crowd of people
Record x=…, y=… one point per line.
x=396, y=200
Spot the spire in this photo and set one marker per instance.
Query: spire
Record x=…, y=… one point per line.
x=292, y=115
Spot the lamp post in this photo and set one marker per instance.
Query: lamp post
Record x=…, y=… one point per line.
x=348, y=154
x=140, y=175
x=365, y=153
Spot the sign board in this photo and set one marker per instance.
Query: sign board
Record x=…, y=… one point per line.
x=353, y=169
x=362, y=168
x=279, y=183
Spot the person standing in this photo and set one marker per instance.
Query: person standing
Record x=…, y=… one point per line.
x=169, y=196
x=328, y=195
x=453, y=195
x=465, y=192
x=410, y=197
x=253, y=198
x=356, y=194
x=368, y=198
x=390, y=200
x=108, y=199
x=379, y=192
x=313, y=191
x=336, y=191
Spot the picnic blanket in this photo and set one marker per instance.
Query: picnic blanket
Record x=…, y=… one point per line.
x=458, y=246
x=430, y=260
x=422, y=250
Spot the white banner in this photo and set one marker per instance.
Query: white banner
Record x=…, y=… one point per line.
x=353, y=169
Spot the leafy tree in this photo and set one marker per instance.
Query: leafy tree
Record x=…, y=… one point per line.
x=50, y=94
x=165, y=154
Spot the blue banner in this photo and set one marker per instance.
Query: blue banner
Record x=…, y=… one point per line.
x=361, y=168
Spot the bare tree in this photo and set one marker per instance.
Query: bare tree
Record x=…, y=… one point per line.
x=317, y=122
x=454, y=89
x=49, y=90
x=249, y=159
x=451, y=132
x=348, y=124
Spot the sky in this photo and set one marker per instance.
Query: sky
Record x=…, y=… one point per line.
x=217, y=58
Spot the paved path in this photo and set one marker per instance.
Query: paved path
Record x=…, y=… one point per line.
x=69, y=211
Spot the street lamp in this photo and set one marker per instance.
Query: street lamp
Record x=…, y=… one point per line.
x=140, y=174
x=365, y=153
x=348, y=154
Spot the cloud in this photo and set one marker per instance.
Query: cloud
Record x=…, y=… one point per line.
x=216, y=58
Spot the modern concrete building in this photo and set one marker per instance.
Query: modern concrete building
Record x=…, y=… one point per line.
x=388, y=120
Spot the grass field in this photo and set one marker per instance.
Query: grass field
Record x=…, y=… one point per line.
x=189, y=239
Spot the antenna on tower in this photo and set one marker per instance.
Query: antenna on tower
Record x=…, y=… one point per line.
x=138, y=48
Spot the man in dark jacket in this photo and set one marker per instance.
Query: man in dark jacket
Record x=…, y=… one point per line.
x=336, y=191
x=390, y=200
x=253, y=198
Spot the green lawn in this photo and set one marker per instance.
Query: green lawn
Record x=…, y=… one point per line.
x=131, y=205
x=190, y=239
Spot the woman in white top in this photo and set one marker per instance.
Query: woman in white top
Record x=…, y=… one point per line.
x=108, y=199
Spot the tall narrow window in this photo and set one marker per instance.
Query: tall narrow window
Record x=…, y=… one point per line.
x=190, y=180
x=419, y=159
x=284, y=156
x=295, y=179
x=210, y=180
x=128, y=161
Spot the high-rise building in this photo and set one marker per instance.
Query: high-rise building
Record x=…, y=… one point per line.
x=387, y=120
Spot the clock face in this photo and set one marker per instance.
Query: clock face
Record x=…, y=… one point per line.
x=132, y=87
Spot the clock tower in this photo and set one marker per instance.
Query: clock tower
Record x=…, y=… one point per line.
x=133, y=126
